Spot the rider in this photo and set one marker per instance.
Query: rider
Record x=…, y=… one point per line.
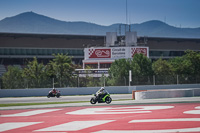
x=100, y=93
x=53, y=91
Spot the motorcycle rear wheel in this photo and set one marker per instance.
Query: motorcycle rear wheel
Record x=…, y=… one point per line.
x=58, y=95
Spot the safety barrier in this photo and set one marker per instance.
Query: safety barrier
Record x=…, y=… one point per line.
x=172, y=93
x=89, y=90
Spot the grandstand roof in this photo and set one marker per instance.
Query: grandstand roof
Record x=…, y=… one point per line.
x=26, y=40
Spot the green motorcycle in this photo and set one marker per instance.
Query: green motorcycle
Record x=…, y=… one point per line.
x=103, y=98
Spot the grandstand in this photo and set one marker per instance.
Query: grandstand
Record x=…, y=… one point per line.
x=17, y=48
x=2, y=69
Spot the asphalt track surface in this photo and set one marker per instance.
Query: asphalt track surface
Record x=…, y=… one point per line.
x=61, y=99
x=125, y=116
x=118, y=99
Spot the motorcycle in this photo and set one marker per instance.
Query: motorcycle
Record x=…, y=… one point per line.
x=104, y=98
x=51, y=94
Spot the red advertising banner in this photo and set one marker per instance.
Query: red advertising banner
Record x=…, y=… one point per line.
x=138, y=51
x=99, y=53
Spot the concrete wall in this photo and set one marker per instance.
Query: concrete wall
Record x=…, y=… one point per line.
x=173, y=93
x=196, y=92
x=64, y=91
x=155, y=87
x=89, y=90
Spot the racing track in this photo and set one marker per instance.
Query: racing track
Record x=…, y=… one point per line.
x=144, y=116
x=151, y=118
x=61, y=99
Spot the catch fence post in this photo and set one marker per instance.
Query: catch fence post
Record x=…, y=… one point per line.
x=154, y=80
x=177, y=80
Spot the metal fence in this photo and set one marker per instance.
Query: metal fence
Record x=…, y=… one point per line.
x=166, y=79
x=105, y=81
x=139, y=80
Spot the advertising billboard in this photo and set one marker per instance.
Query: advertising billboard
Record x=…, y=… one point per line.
x=99, y=53
x=114, y=52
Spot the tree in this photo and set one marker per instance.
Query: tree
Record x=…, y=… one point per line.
x=13, y=79
x=35, y=74
x=162, y=67
x=141, y=65
x=119, y=72
x=194, y=58
x=62, y=69
x=187, y=67
x=163, y=71
x=181, y=66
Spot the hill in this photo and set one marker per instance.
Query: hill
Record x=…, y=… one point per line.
x=30, y=22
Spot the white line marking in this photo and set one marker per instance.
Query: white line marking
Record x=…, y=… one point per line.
x=75, y=125
x=30, y=113
x=198, y=107
x=118, y=110
x=193, y=111
x=14, y=125
x=152, y=131
x=165, y=120
x=94, y=111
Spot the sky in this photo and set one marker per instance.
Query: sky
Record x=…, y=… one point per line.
x=179, y=13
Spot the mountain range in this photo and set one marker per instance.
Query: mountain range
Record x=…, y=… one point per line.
x=30, y=22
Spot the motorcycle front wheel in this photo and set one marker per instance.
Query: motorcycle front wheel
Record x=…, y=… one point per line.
x=93, y=101
x=108, y=100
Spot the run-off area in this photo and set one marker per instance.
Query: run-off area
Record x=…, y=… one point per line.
x=155, y=118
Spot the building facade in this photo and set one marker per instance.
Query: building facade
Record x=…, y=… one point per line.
x=17, y=49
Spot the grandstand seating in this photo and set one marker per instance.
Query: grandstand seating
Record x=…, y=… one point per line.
x=19, y=66
x=2, y=70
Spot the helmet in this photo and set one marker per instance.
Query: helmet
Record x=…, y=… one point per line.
x=102, y=88
x=54, y=89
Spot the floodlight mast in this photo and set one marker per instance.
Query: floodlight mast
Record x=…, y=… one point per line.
x=126, y=13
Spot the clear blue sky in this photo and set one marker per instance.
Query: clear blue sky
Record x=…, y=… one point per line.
x=184, y=13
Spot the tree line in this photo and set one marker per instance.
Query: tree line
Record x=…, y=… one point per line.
x=38, y=75
x=166, y=71
x=62, y=70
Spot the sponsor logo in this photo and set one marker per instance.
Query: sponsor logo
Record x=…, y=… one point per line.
x=138, y=51
x=99, y=53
